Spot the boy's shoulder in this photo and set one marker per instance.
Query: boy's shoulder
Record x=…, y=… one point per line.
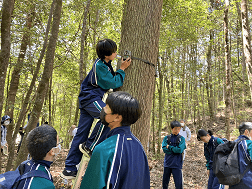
x=42, y=183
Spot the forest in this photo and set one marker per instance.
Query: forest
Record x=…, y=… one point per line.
x=201, y=50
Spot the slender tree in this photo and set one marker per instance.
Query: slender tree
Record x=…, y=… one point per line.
x=228, y=72
x=43, y=84
x=247, y=42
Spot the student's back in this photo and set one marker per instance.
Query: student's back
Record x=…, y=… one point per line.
x=37, y=182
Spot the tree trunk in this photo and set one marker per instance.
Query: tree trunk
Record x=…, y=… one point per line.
x=7, y=9
x=160, y=103
x=13, y=90
x=84, y=26
x=247, y=42
x=34, y=78
x=43, y=84
x=8, y=6
x=228, y=73
x=140, y=34
x=153, y=123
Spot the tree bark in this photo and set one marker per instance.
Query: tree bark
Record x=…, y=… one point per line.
x=13, y=90
x=7, y=9
x=84, y=26
x=8, y=6
x=228, y=72
x=209, y=85
x=246, y=42
x=43, y=84
x=140, y=34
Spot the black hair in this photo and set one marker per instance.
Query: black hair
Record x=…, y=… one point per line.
x=243, y=126
x=202, y=133
x=105, y=47
x=40, y=141
x=124, y=104
x=4, y=118
x=175, y=124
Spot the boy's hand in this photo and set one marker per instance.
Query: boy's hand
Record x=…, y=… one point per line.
x=125, y=64
x=167, y=146
x=208, y=172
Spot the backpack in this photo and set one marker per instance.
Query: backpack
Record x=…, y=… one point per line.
x=226, y=163
x=177, y=140
x=11, y=179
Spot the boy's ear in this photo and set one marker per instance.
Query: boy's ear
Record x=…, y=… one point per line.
x=51, y=152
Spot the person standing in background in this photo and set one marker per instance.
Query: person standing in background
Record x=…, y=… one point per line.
x=185, y=132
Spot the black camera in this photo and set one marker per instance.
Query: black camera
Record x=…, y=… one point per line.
x=126, y=54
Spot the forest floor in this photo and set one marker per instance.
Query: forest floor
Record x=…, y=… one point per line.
x=194, y=170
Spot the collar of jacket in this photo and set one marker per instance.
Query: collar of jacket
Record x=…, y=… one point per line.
x=43, y=162
x=243, y=136
x=119, y=130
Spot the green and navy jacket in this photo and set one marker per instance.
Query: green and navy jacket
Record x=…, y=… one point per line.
x=37, y=182
x=100, y=79
x=209, y=149
x=244, y=156
x=119, y=162
x=173, y=154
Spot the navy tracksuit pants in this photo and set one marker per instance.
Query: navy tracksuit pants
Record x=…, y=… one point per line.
x=213, y=182
x=99, y=133
x=177, y=177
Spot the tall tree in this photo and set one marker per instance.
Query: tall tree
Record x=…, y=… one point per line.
x=247, y=42
x=14, y=87
x=228, y=72
x=47, y=74
x=7, y=9
x=8, y=6
x=140, y=34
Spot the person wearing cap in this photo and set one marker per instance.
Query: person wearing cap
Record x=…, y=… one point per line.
x=173, y=161
x=185, y=132
x=245, y=155
x=210, y=145
x=6, y=120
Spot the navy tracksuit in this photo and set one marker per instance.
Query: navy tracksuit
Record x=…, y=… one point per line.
x=244, y=156
x=209, y=149
x=173, y=161
x=100, y=79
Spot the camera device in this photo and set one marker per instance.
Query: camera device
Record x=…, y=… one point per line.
x=126, y=54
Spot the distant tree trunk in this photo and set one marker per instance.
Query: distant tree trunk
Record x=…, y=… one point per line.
x=43, y=84
x=13, y=90
x=160, y=104
x=7, y=9
x=209, y=85
x=84, y=26
x=247, y=42
x=34, y=78
x=140, y=28
x=153, y=123
x=228, y=73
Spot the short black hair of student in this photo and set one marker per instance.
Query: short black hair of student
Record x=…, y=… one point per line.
x=105, y=47
x=175, y=124
x=40, y=141
x=202, y=133
x=243, y=126
x=122, y=103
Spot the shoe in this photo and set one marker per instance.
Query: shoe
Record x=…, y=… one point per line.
x=86, y=151
x=66, y=174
